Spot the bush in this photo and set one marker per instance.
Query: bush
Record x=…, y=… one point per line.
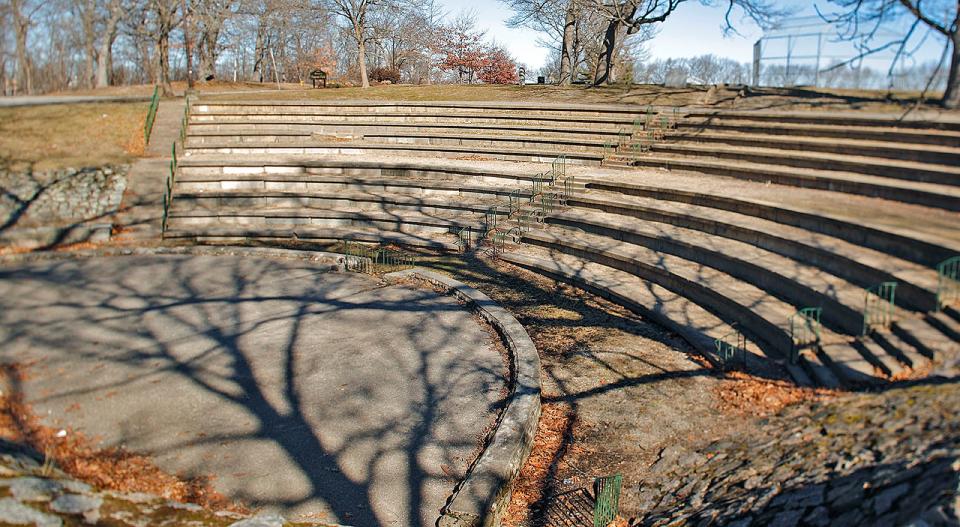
x=385, y=74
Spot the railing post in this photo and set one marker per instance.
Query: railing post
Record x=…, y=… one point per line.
x=948, y=282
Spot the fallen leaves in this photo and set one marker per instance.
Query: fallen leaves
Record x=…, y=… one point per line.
x=105, y=468
x=744, y=394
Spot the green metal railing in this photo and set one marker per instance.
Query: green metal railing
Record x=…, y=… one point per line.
x=513, y=201
x=380, y=259
x=731, y=349
x=491, y=218
x=879, y=306
x=465, y=238
x=168, y=189
x=804, y=330
x=948, y=282
x=558, y=168
x=151, y=115
x=607, y=505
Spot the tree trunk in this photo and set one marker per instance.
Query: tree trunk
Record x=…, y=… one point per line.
x=605, y=60
x=951, y=96
x=362, y=58
x=24, y=76
x=566, y=46
x=163, y=54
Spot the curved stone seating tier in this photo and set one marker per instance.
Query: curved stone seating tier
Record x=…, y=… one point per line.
x=885, y=149
x=752, y=308
x=858, y=264
x=833, y=119
x=335, y=126
x=914, y=234
x=308, y=234
x=845, y=162
x=514, y=142
x=321, y=148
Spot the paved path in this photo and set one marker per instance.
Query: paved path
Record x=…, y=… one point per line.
x=41, y=100
x=304, y=392
x=142, y=207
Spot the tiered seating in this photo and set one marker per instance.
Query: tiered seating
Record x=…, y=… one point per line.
x=701, y=253
x=903, y=160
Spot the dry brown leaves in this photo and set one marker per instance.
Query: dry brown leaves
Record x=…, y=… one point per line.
x=534, y=478
x=744, y=394
x=105, y=468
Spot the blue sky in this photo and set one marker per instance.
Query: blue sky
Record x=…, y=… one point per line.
x=672, y=41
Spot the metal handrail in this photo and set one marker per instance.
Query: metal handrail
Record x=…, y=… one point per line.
x=151, y=115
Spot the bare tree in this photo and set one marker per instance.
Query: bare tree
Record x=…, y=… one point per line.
x=355, y=13
x=862, y=21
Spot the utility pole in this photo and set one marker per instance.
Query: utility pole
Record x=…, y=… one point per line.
x=187, y=44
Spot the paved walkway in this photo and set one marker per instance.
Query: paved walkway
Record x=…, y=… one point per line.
x=41, y=100
x=322, y=394
x=142, y=207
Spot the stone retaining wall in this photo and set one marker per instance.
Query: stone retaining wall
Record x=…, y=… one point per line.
x=59, y=206
x=482, y=497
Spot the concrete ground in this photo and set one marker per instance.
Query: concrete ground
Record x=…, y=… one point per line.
x=325, y=395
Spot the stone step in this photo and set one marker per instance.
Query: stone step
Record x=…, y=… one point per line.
x=828, y=162
x=927, y=194
x=832, y=118
x=366, y=147
x=339, y=126
x=926, y=338
x=869, y=148
x=308, y=234
x=755, y=310
x=405, y=138
x=905, y=353
x=859, y=265
x=890, y=230
x=891, y=362
x=696, y=325
x=790, y=280
x=393, y=219
x=869, y=133
x=850, y=365
x=251, y=200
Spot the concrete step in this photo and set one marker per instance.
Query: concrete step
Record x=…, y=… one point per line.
x=861, y=266
x=753, y=309
x=820, y=130
x=889, y=362
x=869, y=148
x=927, y=194
x=926, y=338
x=904, y=239
x=307, y=234
x=367, y=147
x=394, y=219
x=696, y=325
x=338, y=126
x=905, y=353
x=843, y=119
x=790, y=280
x=251, y=200
x=522, y=142
x=849, y=365
x=839, y=162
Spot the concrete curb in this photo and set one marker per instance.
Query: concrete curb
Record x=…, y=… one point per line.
x=482, y=497
x=335, y=261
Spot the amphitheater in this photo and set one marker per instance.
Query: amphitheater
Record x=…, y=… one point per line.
x=819, y=248
x=742, y=221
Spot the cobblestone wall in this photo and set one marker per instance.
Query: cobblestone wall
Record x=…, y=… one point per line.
x=882, y=459
x=41, y=208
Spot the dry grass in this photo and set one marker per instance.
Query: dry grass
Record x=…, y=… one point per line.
x=71, y=135
x=766, y=98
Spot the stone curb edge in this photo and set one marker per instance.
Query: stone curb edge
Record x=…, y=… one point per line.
x=481, y=499
x=336, y=261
